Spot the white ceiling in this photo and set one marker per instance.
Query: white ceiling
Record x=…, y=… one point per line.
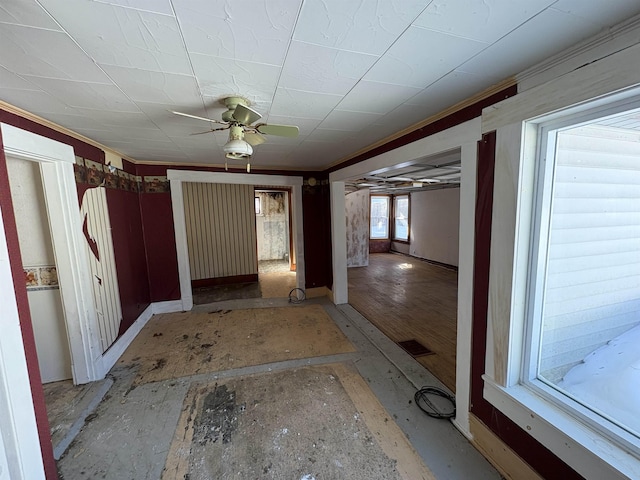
x=348, y=73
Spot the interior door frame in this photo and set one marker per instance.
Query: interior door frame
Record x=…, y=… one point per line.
x=56, y=160
x=178, y=177
x=463, y=137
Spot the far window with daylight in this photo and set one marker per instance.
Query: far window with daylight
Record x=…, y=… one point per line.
x=584, y=299
x=401, y=217
x=379, y=217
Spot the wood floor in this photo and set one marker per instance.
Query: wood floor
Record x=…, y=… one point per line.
x=407, y=298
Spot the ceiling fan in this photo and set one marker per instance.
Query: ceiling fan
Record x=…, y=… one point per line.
x=238, y=119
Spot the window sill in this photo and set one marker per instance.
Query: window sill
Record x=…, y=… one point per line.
x=585, y=450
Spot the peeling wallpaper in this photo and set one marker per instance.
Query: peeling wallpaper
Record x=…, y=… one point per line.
x=357, y=217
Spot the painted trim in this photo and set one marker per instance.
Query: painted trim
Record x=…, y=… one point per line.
x=115, y=351
x=56, y=165
x=463, y=137
x=170, y=306
x=571, y=441
x=20, y=448
x=178, y=177
x=340, y=288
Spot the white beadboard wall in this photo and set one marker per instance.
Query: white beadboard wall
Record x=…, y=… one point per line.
x=221, y=230
x=593, y=277
x=103, y=269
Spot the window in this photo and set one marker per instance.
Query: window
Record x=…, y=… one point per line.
x=401, y=217
x=379, y=217
x=583, y=307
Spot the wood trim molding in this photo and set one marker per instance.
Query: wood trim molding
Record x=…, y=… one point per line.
x=505, y=460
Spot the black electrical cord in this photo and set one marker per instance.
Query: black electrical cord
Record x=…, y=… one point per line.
x=427, y=406
x=297, y=295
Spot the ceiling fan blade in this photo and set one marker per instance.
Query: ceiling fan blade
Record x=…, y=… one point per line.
x=245, y=115
x=254, y=138
x=279, y=130
x=196, y=117
x=210, y=130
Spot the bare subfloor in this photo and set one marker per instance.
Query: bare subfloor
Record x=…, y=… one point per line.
x=265, y=389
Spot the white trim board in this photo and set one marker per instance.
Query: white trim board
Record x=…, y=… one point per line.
x=56, y=161
x=20, y=453
x=177, y=177
x=464, y=138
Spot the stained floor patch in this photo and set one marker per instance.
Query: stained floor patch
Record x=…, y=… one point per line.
x=298, y=423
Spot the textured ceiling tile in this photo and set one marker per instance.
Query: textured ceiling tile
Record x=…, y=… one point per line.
x=74, y=121
x=451, y=89
x=220, y=77
x=376, y=97
x=154, y=87
x=35, y=101
x=322, y=69
x=482, y=20
x=349, y=121
x=26, y=12
x=303, y=104
x=9, y=79
x=116, y=118
x=86, y=95
x=46, y=53
x=421, y=56
x=158, y=6
x=551, y=31
x=122, y=36
x=615, y=11
x=368, y=26
x=256, y=32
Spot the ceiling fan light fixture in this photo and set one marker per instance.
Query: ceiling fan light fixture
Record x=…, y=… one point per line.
x=237, y=149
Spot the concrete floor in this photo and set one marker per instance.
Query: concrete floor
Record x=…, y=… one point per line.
x=152, y=428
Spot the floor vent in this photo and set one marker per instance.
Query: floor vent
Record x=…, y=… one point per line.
x=415, y=348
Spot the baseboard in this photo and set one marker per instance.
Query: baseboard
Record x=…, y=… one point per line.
x=167, y=307
x=505, y=460
x=116, y=350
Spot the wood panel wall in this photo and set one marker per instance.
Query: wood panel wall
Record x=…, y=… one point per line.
x=221, y=231
x=102, y=264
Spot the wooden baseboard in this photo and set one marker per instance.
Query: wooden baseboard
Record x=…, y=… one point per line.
x=505, y=460
x=317, y=292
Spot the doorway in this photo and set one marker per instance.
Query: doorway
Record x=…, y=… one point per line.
x=39, y=264
x=276, y=264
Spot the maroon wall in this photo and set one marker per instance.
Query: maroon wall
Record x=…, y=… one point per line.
x=534, y=453
x=28, y=339
x=316, y=212
x=129, y=252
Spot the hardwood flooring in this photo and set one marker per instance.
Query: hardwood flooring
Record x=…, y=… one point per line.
x=407, y=298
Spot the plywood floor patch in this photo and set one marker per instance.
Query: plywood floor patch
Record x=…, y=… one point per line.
x=182, y=344
x=260, y=426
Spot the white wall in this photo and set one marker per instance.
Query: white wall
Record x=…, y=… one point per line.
x=356, y=205
x=435, y=220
